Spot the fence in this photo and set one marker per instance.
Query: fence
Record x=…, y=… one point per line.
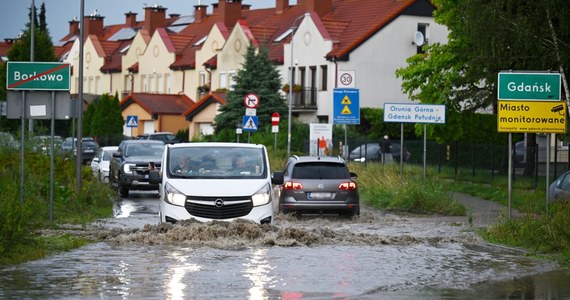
x=466, y=159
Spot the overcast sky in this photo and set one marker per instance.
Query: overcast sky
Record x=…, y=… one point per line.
x=14, y=13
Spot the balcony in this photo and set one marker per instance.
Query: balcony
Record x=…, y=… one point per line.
x=304, y=100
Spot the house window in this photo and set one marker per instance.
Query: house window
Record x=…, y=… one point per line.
x=313, y=76
x=160, y=83
x=168, y=82
x=90, y=85
x=144, y=86
x=202, y=78
x=97, y=85
x=232, y=75
x=127, y=83
x=206, y=129
x=324, y=77
x=303, y=74
x=223, y=80
x=152, y=83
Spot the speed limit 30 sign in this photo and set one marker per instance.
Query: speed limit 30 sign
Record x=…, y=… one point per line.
x=346, y=79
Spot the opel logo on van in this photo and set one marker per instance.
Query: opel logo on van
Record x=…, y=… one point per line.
x=219, y=202
x=320, y=186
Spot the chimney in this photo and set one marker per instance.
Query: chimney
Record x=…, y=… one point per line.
x=321, y=7
x=131, y=19
x=174, y=16
x=281, y=6
x=94, y=24
x=154, y=17
x=230, y=11
x=199, y=13
x=74, y=27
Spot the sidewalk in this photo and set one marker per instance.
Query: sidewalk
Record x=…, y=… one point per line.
x=483, y=212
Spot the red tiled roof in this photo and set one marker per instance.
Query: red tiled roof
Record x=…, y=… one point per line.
x=193, y=33
x=210, y=98
x=212, y=63
x=361, y=20
x=159, y=103
x=134, y=68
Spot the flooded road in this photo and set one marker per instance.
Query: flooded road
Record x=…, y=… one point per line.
x=376, y=256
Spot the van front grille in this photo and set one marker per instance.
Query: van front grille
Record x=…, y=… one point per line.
x=218, y=208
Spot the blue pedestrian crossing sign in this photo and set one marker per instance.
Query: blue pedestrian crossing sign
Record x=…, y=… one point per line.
x=132, y=121
x=249, y=123
x=346, y=106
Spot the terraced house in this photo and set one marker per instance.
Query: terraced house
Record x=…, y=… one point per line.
x=172, y=70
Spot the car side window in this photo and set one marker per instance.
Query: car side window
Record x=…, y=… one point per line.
x=565, y=184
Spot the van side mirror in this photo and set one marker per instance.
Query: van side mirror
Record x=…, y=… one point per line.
x=277, y=177
x=154, y=177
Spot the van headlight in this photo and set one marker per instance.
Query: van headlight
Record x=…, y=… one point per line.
x=263, y=196
x=174, y=196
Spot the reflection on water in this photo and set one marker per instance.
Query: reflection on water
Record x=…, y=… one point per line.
x=103, y=271
x=180, y=267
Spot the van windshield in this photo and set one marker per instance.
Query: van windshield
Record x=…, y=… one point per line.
x=216, y=162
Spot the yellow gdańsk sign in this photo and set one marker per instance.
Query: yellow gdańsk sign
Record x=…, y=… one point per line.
x=531, y=116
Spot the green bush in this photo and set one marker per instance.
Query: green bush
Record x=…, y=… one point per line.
x=22, y=216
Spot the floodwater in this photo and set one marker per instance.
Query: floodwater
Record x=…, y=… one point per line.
x=376, y=256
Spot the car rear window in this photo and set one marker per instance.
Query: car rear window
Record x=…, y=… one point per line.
x=320, y=170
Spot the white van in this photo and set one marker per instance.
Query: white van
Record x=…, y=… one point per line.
x=214, y=181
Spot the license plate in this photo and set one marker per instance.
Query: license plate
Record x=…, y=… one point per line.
x=319, y=195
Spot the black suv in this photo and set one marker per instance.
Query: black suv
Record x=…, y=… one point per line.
x=131, y=163
x=311, y=184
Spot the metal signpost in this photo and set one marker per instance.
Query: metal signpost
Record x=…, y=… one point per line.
x=530, y=102
x=275, y=127
x=29, y=76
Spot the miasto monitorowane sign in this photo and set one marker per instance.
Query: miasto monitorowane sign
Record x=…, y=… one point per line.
x=37, y=76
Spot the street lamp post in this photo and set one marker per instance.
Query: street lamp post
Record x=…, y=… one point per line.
x=293, y=28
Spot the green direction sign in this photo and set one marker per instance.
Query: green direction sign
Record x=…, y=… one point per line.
x=37, y=76
x=529, y=86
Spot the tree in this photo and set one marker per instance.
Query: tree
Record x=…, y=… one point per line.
x=485, y=38
x=107, y=121
x=257, y=76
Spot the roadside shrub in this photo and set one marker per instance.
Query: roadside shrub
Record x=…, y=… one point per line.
x=542, y=234
x=381, y=186
x=20, y=218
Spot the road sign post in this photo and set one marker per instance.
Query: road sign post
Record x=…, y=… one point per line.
x=275, y=127
x=545, y=114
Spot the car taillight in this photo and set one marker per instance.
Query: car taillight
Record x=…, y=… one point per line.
x=347, y=186
x=290, y=185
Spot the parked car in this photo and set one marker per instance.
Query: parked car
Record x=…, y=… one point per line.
x=8, y=141
x=101, y=161
x=130, y=165
x=205, y=181
x=371, y=152
x=88, y=148
x=166, y=137
x=559, y=190
x=311, y=184
x=42, y=143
